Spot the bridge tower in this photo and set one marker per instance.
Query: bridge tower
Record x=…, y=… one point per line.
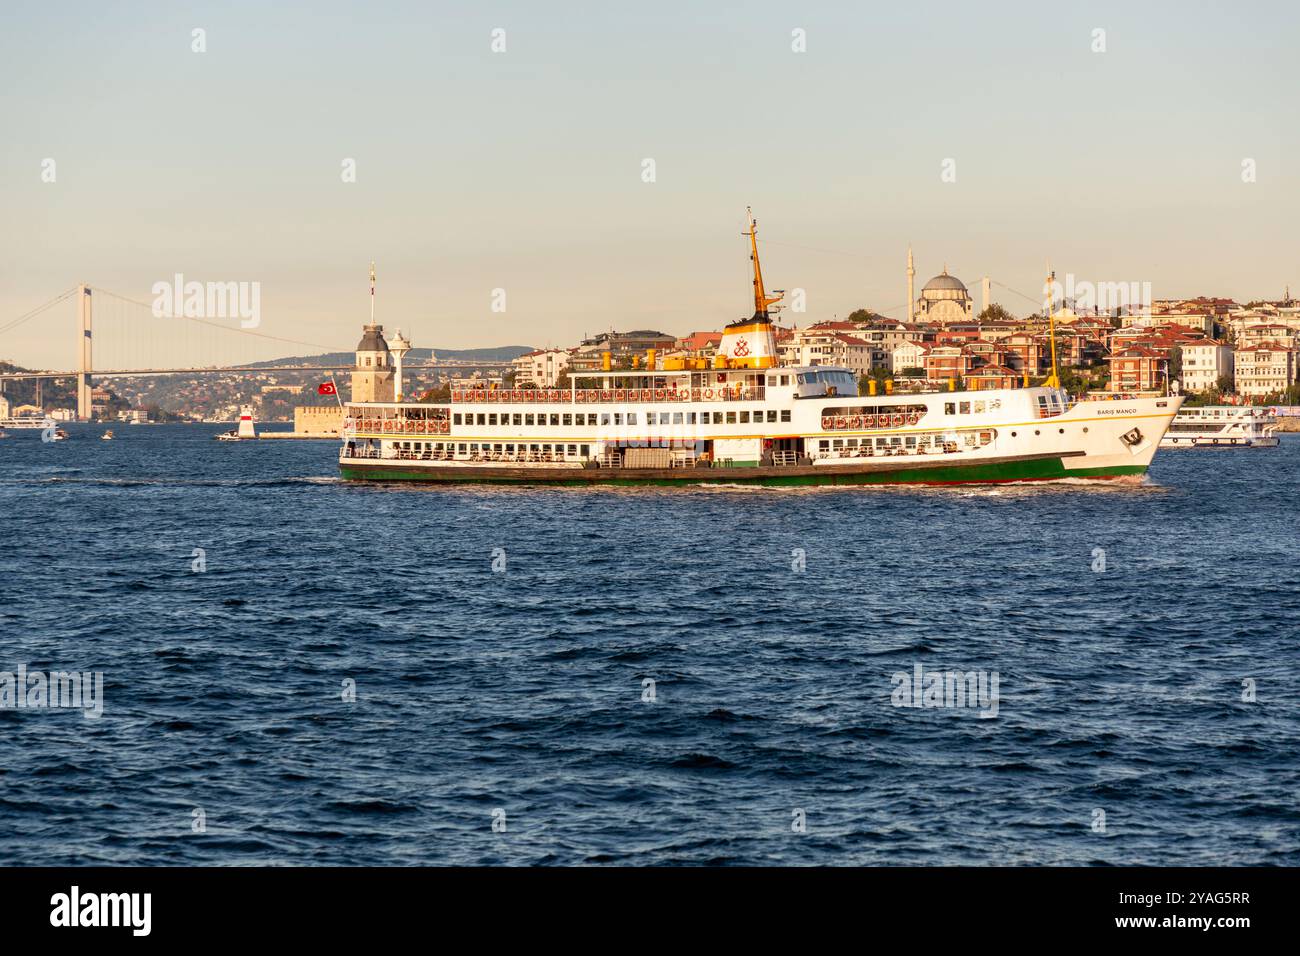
x=86, y=360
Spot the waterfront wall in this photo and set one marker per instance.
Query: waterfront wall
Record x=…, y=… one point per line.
x=317, y=420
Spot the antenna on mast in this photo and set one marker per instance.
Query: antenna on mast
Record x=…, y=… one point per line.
x=1053, y=380
x=761, y=299
x=372, y=292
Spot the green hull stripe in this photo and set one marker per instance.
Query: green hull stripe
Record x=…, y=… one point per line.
x=1046, y=469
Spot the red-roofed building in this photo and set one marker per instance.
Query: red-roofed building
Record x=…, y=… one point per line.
x=993, y=376
x=945, y=362
x=700, y=343
x=1138, y=368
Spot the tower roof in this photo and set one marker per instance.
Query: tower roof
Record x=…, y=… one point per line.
x=372, y=339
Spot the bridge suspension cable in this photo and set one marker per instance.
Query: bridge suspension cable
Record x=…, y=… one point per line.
x=223, y=327
x=37, y=311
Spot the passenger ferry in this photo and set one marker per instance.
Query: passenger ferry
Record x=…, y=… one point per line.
x=1222, y=426
x=744, y=419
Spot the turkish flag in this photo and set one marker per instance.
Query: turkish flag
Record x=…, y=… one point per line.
x=326, y=388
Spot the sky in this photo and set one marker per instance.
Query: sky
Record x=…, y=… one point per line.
x=525, y=170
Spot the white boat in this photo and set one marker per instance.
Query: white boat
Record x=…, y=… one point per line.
x=1222, y=426
x=23, y=422
x=107, y=436
x=744, y=419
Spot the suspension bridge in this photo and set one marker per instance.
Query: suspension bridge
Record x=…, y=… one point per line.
x=116, y=336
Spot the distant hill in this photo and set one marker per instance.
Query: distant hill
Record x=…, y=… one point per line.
x=504, y=353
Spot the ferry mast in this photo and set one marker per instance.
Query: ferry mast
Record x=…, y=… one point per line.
x=761, y=299
x=750, y=343
x=1054, y=380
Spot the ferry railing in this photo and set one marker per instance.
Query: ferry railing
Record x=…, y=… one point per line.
x=398, y=426
x=608, y=396
x=858, y=422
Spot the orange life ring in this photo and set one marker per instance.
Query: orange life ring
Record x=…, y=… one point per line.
x=659, y=394
x=896, y=419
x=856, y=422
x=840, y=422
x=620, y=395
x=827, y=423
x=708, y=394
x=914, y=418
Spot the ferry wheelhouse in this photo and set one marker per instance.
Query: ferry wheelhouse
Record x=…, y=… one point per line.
x=745, y=419
x=1222, y=426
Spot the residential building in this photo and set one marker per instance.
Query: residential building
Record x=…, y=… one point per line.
x=541, y=368
x=1265, y=369
x=1204, y=363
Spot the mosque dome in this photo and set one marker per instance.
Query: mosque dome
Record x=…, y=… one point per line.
x=944, y=283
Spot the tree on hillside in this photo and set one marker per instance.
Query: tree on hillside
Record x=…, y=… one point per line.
x=995, y=313
x=1176, y=364
x=439, y=395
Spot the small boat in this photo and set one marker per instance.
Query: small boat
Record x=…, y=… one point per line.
x=59, y=435
x=3, y=433
x=107, y=436
x=245, y=431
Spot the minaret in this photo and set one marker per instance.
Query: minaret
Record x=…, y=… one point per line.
x=986, y=287
x=911, y=281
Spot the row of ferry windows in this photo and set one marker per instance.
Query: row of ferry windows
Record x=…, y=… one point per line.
x=470, y=448
x=936, y=440
x=621, y=418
